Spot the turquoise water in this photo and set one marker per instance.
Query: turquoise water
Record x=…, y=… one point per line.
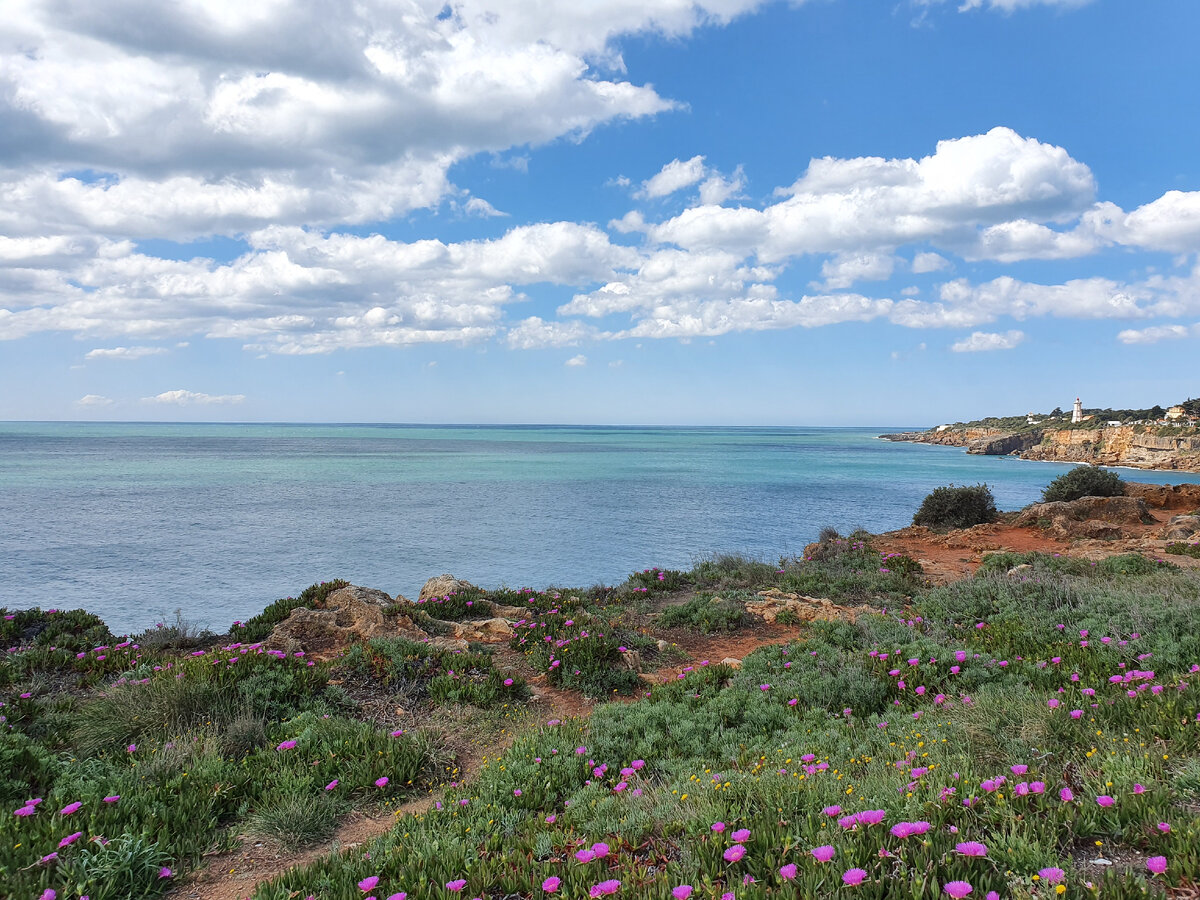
x=133, y=521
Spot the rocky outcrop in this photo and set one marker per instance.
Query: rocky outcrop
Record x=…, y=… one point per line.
x=348, y=615
x=1097, y=518
x=484, y=631
x=1181, y=528
x=1117, y=445
x=800, y=608
x=1184, y=497
x=444, y=586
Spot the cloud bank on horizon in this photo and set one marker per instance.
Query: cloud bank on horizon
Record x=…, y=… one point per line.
x=288, y=183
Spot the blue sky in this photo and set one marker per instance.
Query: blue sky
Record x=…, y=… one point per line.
x=821, y=212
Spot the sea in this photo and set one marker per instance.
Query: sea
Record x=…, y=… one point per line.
x=135, y=521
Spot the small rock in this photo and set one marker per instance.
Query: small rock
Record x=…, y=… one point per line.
x=662, y=645
x=444, y=585
x=632, y=660
x=484, y=631
x=732, y=662
x=1023, y=569
x=1101, y=862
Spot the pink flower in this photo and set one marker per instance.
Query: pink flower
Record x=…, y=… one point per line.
x=585, y=856
x=1051, y=874
x=550, y=885
x=1019, y=769
x=286, y=745
x=1164, y=827
x=396, y=733
x=368, y=884
x=25, y=811
x=331, y=785
x=381, y=782
x=1157, y=865
x=165, y=872
x=718, y=827
x=871, y=816
x=70, y=808
x=682, y=892
x=1139, y=789
x=551, y=819
x=1076, y=713
x=398, y=896
x=971, y=848
x=1105, y=800
x=70, y=839
x=604, y=888
x=734, y=853
x=788, y=872
x=742, y=834
x=854, y=877
x=908, y=829
x=112, y=799
x=600, y=849
x=832, y=810
x=516, y=792
x=958, y=889
x=1066, y=795
x=457, y=885
x=823, y=853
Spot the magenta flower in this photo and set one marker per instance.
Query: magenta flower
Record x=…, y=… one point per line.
x=1019, y=769
x=112, y=799
x=682, y=892
x=823, y=853
x=70, y=839
x=1164, y=827
x=551, y=819
x=398, y=896
x=368, y=884
x=1051, y=874
x=1066, y=795
x=48, y=894
x=958, y=889
x=853, y=877
x=832, y=810
x=604, y=888
x=457, y=885
x=718, y=827
x=871, y=816
x=550, y=885
x=70, y=808
x=601, y=849
x=331, y=785
x=788, y=872
x=1157, y=865
x=971, y=848
x=381, y=782
x=396, y=733
x=742, y=834
x=1139, y=789
x=585, y=856
x=1105, y=800
x=165, y=872
x=286, y=745
x=908, y=829
x=25, y=811
x=734, y=853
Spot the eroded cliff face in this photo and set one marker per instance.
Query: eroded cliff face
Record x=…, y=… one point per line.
x=1119, y=445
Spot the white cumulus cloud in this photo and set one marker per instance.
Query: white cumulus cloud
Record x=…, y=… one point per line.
x=982, y=341
x=124, y=352
x=576, y=361
x=194, y=398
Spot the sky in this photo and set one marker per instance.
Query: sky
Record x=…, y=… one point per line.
x=817, y=212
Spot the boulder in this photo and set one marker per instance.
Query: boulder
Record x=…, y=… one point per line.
x=349, y=614
x=484, y=631
x=632, y=660
x=1181, y=528
x=443, y=586
x=732, y=662
x=1165, y=496
x=1097, y=518
x=1020, y=571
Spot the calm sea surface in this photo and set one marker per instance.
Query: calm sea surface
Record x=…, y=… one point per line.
x=133, y=521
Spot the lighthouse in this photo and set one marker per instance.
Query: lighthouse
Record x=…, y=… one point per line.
x=1077, y=412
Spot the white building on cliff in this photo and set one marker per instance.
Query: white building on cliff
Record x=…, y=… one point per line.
x=1077, y=412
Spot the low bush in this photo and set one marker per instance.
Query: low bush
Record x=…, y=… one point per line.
x=1179, y=548
x=722, y=571
x=706, y=613
x=957, y=507
x=258, y=628
x=1084, y=481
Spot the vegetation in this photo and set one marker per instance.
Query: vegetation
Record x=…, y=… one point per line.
x=706, y=613
x=1180, y=548
x=957, y=507
x=1084, y=481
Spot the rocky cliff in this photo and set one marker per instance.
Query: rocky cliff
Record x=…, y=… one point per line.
x=1123, y=445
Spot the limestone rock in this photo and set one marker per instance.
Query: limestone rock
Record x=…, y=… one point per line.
x=1166, y=496
x=801, y=608
x=444, y=585
x=632, y=660
x=732, y=662
x=1021, y=570
x=1095, y=518
x=484, y=631
x=662, y=645
x=349, y=614
x=1181, y=528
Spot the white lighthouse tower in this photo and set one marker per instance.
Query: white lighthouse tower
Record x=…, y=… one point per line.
x=1077, y=412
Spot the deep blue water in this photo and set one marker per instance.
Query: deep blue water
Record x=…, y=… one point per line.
x=133, y=521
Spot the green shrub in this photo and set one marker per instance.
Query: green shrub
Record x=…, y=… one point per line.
x=957, y=507
x=26, y=768
x=127, y=866
x=296, y=819
x=243, y=736
x=1084, y=481
x=1179, y=548
x=733, y=570
x=705, y=613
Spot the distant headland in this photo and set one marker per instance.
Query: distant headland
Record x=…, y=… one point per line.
x=1166, y=438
